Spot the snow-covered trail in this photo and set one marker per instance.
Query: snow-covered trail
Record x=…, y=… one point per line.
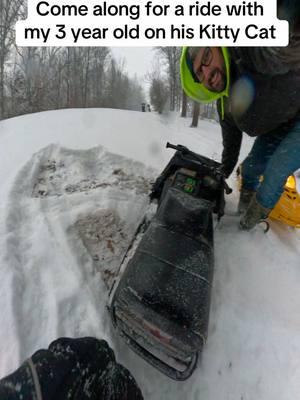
x=69, y=220
x=68, y=211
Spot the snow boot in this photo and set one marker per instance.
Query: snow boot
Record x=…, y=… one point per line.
x=244, y=201
x=255, y=213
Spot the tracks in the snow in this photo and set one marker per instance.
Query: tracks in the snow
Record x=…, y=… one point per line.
x=71, y=214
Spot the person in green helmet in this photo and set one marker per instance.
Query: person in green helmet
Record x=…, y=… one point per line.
x=257, y=92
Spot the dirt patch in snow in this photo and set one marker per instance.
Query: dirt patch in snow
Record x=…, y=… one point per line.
x=105, y=236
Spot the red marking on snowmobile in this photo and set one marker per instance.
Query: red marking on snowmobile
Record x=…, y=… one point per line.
x=157, y=333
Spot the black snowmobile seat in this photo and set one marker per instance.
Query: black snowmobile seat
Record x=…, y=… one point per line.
x=182, y=211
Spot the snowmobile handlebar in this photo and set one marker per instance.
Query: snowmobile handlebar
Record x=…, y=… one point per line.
x=178, y=147
x=216, y=168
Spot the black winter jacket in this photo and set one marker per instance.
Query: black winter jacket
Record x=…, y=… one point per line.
x=270, y=80
x=71, y=369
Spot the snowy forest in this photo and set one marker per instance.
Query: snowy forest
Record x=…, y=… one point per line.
x=34, y=79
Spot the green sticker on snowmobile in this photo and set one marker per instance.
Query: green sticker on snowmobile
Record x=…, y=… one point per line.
x=189, y=186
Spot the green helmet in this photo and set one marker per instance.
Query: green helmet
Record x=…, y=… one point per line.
x=198, y=91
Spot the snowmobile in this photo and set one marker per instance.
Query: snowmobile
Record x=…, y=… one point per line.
x=160, y=303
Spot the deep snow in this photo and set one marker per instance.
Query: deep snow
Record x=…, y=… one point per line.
x=74, y=185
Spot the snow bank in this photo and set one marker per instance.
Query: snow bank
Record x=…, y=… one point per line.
x=74, y=185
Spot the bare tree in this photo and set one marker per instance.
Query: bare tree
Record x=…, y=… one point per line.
x=171, y=57
x=10, y=11
x=50, y=78
x=209, y=111
x=158, y=94
x=29, y=78
x=196, y=112
x=120, y=90
x=100, y=58
x=184, y=105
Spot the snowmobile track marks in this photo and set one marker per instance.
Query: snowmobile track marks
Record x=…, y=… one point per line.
x=53, y=234
x=63, y=172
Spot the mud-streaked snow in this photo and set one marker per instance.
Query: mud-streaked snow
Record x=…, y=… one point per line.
x=74, y=186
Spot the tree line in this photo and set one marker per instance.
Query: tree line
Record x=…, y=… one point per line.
x=35, y=79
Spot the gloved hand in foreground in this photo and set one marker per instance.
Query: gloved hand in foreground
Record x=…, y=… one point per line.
x=73, y=369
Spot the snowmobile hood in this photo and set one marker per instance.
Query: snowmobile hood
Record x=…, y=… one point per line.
x=198, y=91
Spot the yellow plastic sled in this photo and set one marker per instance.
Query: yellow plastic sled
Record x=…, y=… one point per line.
x=287, y=209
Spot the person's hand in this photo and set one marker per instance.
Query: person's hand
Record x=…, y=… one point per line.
x=221, y=170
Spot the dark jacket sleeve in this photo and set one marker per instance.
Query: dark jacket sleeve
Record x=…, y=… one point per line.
x=275, y=60
x=280, y=60
x=232, y=140
x=77, y=369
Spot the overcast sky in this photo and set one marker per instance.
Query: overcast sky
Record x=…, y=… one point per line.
x=138, y=59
